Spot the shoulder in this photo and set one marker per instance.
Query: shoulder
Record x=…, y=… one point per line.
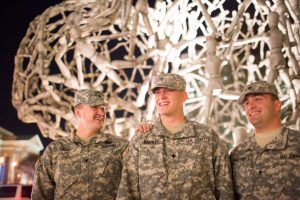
x=51, y=152
x=56, y=146
x=59, y=143
x=240, y=150
x=140, y=139
x=198, y=125
x=293, y=138
x=293, y=133
x=202, y=130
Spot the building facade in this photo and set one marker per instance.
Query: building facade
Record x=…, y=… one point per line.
x=17, y=157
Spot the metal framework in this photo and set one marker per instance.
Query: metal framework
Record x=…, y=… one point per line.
x=218, y=46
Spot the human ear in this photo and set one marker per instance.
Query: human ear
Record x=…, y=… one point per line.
x=184, y=96
x=77, y=111
x=278, y=105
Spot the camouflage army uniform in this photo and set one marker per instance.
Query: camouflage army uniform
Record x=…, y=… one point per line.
x=268, y=173
x=192, y=164
x=71, y=170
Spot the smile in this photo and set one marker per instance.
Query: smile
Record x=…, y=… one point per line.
x=254, y=113
x=163, y=103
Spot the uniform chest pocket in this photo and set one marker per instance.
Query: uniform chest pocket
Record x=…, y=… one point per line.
x=101, y=159
x=152, y=155
x=277, y=173
x=242, y=173
x=66, y=170
x=152, y=166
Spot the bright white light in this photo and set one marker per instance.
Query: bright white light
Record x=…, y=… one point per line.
x=216, y=92
x=14, y=163
x=1, y=160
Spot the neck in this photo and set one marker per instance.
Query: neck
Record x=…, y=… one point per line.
x=85, y=134
x=172, y=121
x=271, y=127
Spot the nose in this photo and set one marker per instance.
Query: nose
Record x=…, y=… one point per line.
x=249, y=105
x=100, y=110
x=161, y=93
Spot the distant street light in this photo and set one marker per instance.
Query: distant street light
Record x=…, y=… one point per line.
x=14, y=163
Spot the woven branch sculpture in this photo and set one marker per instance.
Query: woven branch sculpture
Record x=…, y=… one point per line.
x=117, y=47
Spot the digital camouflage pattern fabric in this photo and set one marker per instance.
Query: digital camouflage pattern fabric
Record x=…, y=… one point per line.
x=91, y=97
x=192, y=164
x=268, y=173
x=171, y=81
x=259, y=87
x=70, y=170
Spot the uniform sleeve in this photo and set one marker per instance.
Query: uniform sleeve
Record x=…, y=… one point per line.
x=43, y=185
x=232, y=161
x=129, y=185
x=222, y=170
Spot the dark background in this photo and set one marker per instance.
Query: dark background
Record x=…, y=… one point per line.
x=15, y=19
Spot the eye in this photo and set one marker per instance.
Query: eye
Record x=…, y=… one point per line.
x=104, y=108
x=98, y=107
x=156, y=92
x=258, y=98
x=169, y=90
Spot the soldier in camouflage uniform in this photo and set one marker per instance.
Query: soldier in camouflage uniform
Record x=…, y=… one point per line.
x=85, y=165
x=267, y=164
x=178, y=159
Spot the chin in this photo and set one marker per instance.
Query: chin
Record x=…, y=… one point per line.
x=99, y=125
x=165, y=113
x=255, y=122
x=163, y=110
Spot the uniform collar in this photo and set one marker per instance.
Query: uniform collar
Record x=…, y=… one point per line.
x=188, y=130
x=279, y=142
x=99, y=137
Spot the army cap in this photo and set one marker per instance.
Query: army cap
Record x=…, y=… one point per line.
x=259, y=87
x=90, y=97
x=171, y=81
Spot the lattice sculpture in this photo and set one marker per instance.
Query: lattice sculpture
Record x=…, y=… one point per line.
x=117, y=47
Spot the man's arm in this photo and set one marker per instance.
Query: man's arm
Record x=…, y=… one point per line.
x=44, y=185
x=222, y=170
x=129, y=185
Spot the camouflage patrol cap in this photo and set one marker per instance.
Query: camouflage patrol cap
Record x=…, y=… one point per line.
x=171, y=81
x=91, y=97
x=259, y=87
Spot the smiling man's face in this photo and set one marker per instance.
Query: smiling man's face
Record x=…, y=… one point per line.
x=261, y=110
x=168, y=101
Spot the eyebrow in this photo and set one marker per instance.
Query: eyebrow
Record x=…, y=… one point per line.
x=256, y=94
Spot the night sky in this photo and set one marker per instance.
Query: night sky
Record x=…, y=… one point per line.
x=15, y=18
